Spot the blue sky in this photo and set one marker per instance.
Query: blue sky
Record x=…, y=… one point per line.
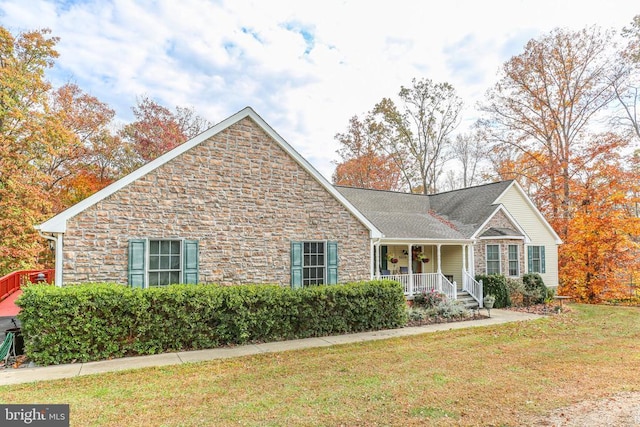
x=305, y=66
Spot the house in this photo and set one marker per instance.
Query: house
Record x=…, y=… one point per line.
x=237, y=204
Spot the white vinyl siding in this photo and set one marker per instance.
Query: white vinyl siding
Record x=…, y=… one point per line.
x=519, y=208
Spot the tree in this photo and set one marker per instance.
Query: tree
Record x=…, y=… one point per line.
x=470, y=150
x=23, y=134
x=602, y=240
x=157, y=130
x=627, y=81
x=362, y=166
x=75, y=119
x=415, y=136
x=544, y=103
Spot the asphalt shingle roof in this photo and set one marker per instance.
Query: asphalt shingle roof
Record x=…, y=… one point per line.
x=454, y=214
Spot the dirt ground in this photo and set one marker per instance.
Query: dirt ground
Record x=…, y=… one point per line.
x=620, y=410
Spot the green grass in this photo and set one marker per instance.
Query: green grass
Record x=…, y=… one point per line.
x=494, y=375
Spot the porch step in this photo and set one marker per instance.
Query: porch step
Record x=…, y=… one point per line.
x=467, y=300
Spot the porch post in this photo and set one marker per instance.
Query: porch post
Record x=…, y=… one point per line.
x=464, y=267
x=410, y=269
x=58, y=260
x=439, y=269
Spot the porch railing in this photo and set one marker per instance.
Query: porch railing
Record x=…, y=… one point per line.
x=472, y=286
x=424, y=282
x=12, y=281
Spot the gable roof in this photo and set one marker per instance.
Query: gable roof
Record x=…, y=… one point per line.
x=57, y=224
x=452, y=215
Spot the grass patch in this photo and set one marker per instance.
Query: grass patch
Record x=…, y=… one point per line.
x=494, y=375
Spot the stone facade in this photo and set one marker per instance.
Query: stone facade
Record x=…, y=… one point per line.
x=500, y=220
x=239, y=194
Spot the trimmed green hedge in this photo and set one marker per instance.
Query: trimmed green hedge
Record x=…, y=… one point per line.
x=97, y=321
x=496, y=285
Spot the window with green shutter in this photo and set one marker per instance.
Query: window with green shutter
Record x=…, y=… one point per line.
x=536, y=261
x=314, y=263
x=161, y=262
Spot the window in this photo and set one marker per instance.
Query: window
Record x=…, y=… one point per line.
x=514, y=262
x=314, y=267
x=154, y=262
x=314, y=263
x=164, y=262
x=536, y=259
x=493, y=259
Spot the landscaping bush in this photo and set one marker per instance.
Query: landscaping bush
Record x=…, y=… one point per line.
x=516, y=290
x=100, y=321
x=428, y=299
x=496, y=285
x=536, y=290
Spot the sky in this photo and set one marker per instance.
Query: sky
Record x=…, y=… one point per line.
x=306, y=67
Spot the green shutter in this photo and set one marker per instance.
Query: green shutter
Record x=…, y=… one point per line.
x=332, y=263
x=190, y=262
x=530, y=259
x=296, y=265
x=383, y=258
x=137, y=262
x=542, y=267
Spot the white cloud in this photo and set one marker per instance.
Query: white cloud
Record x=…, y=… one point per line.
x=306, y=67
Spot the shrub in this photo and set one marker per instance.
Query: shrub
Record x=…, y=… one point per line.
x=536, y=290
x=428, y=299
x=100, y=321
x=516, y=290
x=496, y=285
x=451, y=310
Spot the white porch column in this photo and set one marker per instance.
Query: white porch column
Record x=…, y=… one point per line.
x=58, y=262
x=439, y=268
x=472, y=262
x=465, y=254
x=410, y=268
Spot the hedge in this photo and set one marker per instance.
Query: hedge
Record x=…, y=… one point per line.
x=98, y=321
x=496, y=285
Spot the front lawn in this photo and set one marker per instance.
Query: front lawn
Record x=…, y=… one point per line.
x=494, y=375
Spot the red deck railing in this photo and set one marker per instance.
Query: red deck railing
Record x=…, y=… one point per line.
x=13, y=281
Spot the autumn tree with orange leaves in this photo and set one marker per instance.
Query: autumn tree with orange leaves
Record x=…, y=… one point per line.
x=59, y=145
x=25, y=133
x=157, y=129
x=362, y=166
x=540, y=118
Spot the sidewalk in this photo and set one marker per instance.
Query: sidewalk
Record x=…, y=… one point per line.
x=26, y=375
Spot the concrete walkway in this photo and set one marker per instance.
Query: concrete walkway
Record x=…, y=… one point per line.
x=26, y=375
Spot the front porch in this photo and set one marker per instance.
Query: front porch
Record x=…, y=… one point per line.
x=424, y=268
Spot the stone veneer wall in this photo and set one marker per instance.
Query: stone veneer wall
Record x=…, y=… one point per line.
x=500, y=220
x=240, y=194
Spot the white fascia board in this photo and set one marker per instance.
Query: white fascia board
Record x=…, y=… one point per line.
x=58, y=224
x=401, y=241
x=533, y=207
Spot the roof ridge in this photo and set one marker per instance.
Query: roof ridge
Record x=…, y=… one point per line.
x=474, y=186
x=380, y=191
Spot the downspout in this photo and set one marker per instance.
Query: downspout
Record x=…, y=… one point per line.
x=57, y=238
